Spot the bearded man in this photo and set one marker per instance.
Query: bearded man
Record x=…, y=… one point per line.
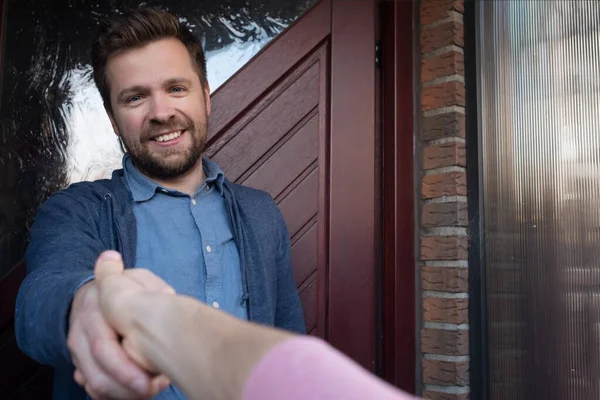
x=169, y=210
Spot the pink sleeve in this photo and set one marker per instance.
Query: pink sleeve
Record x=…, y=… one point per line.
x=308, y=368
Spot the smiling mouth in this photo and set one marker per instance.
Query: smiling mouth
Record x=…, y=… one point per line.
x=168, y=137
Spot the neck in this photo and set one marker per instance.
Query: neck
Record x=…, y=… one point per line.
x=188, y=183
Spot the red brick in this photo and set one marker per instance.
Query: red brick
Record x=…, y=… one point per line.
x=433, y=395
x=446, y=64
x=445, y=279
x=445, y=373
x=440, y=95
x=443, y=126
x=444, y=155
x=436, y=10
x=443, y=35
x=444, y=184
x=445, y=214
x=444, y=248
x=452, y=311
x=440, y=341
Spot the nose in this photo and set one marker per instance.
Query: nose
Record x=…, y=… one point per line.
x=161, y=109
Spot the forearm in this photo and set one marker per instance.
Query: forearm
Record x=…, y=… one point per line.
x=308, y=368
x=207, y=353
x=59, y=258
x=41, y=316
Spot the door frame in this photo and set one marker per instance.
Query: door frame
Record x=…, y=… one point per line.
x=399, y=275
x=353, y=251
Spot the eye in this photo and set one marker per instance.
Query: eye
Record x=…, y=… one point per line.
x=177, y=89
x=134, y=99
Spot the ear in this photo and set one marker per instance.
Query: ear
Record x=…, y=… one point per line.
x=207, y=98
x=112, y=121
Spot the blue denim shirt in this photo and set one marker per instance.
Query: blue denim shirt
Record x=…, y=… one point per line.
x=188, y=242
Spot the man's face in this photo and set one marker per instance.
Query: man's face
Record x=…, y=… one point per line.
x=160, y=108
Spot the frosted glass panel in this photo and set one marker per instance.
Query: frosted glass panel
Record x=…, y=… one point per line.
x=539, y=65
x=54, y=130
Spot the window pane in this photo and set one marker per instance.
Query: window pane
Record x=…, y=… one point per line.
x=540, y=134
x=54, y=128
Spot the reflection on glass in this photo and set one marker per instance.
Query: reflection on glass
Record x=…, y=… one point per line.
x=54, y=128
x=540, y=132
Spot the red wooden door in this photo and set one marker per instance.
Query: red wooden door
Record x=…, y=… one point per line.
x=299, y=122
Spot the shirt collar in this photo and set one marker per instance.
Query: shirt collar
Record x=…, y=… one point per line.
x=143, y=188
x=214, y=175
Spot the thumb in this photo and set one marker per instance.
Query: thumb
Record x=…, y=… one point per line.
x=109, y=263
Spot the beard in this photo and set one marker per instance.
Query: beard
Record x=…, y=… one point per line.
x=167, y=163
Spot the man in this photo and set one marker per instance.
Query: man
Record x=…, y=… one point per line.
x=168, y=210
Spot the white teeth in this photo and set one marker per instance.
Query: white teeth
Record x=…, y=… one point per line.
x=170, y=136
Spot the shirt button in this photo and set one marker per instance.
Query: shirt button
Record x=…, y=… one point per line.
x=207, y=187
x=208, y=249
x=193, y=202
x=215, y=304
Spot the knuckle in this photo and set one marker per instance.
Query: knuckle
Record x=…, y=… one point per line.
x=98, y=385
x=97, y=347
x=73, y=341
x=141, y=273
x=87, y=296
x=78, y=377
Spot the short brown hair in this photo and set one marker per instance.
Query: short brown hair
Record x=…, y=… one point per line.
x=134, y=29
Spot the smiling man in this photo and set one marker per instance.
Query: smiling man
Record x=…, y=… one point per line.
x=169, y=210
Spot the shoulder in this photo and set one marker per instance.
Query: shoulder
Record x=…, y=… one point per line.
x=81, y=193
x=258, y=211
x=86, y=194
x=253, y=199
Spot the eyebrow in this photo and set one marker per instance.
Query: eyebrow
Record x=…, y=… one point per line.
x=139, y=88
x=175, y=81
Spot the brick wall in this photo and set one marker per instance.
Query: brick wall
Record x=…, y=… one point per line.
x=444, y=220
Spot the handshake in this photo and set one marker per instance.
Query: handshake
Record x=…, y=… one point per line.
x=130, y=335
x=109, y=349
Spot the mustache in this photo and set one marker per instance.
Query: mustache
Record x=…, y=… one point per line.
x=154, y=128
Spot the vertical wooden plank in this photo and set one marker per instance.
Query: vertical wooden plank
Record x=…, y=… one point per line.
x=323, y=196
x=351, y=319
x=399, y=308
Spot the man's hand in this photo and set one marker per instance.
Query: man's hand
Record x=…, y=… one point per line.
x=103, y=367
x=126, y=300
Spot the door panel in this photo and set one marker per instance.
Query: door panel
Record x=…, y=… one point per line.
x=304, y=253
x=299, y=150
x=262, y=126
x=275, y=145
x=298, y=121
